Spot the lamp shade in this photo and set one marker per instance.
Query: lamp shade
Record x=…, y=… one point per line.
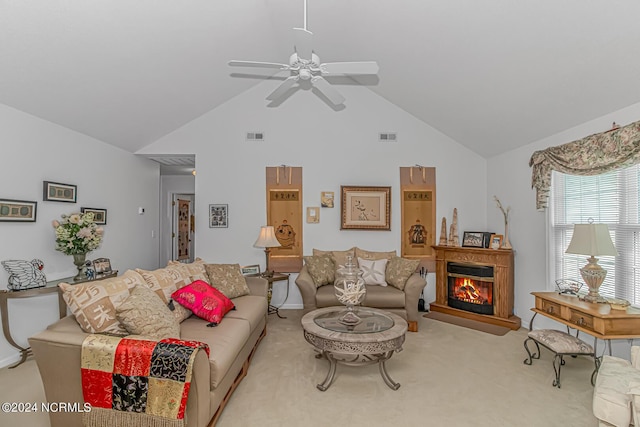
x=591, y=239
x=267, y=238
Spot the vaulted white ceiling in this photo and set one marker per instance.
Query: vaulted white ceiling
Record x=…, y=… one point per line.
x=491, y=74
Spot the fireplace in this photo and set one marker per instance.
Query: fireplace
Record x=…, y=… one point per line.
x=487, y=293
x=470, y=287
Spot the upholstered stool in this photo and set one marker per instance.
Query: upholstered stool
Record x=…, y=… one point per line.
x=561, y=344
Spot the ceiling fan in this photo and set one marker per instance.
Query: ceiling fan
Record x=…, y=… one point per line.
x=304, y=65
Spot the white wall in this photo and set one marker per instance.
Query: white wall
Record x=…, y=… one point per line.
x=509, y=178
x=169, y=185
x=334, y=148
x=33, y=151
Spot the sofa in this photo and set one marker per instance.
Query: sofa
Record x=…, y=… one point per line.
x=232, y=343
x=396, y=288
x=616, y=394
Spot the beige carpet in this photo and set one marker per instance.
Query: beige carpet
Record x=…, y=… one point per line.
x=468, y=323
x=450, y=376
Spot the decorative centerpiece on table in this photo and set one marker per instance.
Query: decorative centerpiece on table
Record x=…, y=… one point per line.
x=77, y=234
x=350, y=290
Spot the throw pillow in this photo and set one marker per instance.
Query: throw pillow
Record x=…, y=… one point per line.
x=94, y=303
x=164, y=282
x=195, y=270
x=339, y=257
x=144, y=313
x=373, y=271
x=399, y=270
x=372, y=255
x=321, y=269
x=205, y=301
x=228, y=279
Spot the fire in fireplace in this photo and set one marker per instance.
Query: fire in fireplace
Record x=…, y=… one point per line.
x=470, y=287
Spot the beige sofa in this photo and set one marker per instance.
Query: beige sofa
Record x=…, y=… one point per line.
x=616, y=394
x=232, y=343
x=401, y=302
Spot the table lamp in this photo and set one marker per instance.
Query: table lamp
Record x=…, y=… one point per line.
x=267, y=240
x=593, y=240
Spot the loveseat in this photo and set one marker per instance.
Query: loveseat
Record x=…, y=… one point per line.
x=616, y=394
x=232, y=343
x=397, y=290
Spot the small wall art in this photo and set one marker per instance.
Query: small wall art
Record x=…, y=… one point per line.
x=218, y=216
x=99, y=215
x=57, y=192
x=313, y=215
x=326, y=199
x=17, y=210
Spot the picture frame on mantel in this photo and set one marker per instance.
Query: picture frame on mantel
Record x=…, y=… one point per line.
x=473, y=239
x=58, y=192
x=365, y=208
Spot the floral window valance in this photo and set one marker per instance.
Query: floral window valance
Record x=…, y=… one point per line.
x=593, y=155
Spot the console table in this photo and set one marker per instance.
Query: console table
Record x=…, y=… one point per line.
x=49, y=288
x=597, y=320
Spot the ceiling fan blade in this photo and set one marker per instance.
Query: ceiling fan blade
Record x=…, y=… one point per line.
x=258, y=64
x=327, y=90
x=303, y=40
x=283, y=88
x=361, y=68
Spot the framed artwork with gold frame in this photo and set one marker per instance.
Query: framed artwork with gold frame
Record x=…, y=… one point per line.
x=365, y=208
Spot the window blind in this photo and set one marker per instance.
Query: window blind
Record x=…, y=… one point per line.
x=613, y=199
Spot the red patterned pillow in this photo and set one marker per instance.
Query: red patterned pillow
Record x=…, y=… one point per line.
x=204, y=300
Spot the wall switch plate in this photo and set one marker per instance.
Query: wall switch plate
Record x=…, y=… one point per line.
x=140, y=211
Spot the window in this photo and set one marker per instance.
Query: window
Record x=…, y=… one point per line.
x=613, y=199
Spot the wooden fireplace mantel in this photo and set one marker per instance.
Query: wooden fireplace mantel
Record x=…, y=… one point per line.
x=501, y=260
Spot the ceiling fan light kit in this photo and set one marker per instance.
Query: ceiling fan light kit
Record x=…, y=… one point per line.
x=304, y=65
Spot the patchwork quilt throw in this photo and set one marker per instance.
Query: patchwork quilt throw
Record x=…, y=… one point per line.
x=137, y=381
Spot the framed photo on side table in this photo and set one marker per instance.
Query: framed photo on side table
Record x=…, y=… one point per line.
x=365, y=208
x=250, y=270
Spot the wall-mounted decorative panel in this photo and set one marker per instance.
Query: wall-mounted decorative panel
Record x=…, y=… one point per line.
x=418, y=210
x=284, y=213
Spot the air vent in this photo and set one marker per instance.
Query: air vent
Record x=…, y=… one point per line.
x=387, y=137
x=255, y=136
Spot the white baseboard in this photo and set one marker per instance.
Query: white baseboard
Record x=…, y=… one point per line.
x=7, y=361
x=293, y=306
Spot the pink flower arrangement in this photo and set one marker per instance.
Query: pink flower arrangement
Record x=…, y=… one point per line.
x=77, y=233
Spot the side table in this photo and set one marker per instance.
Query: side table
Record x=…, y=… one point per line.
x=49, y=288
x=276, y=277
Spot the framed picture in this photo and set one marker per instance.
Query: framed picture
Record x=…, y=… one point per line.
x=473, y=239
x=18, y=210
x=326, y=199
x=57, y=192
x=99, y=215
x=365, y=208
x=250, y=270
x=313, y=215
x=101, y=266
x=218, y=216
x=496, y=241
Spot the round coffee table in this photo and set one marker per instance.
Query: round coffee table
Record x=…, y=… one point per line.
x=373, y=340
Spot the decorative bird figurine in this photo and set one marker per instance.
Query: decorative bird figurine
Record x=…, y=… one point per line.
x=25, y=274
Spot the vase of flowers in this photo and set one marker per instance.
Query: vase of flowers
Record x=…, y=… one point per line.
x=77, y=234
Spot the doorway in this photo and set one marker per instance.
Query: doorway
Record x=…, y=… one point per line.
x=183, y=227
